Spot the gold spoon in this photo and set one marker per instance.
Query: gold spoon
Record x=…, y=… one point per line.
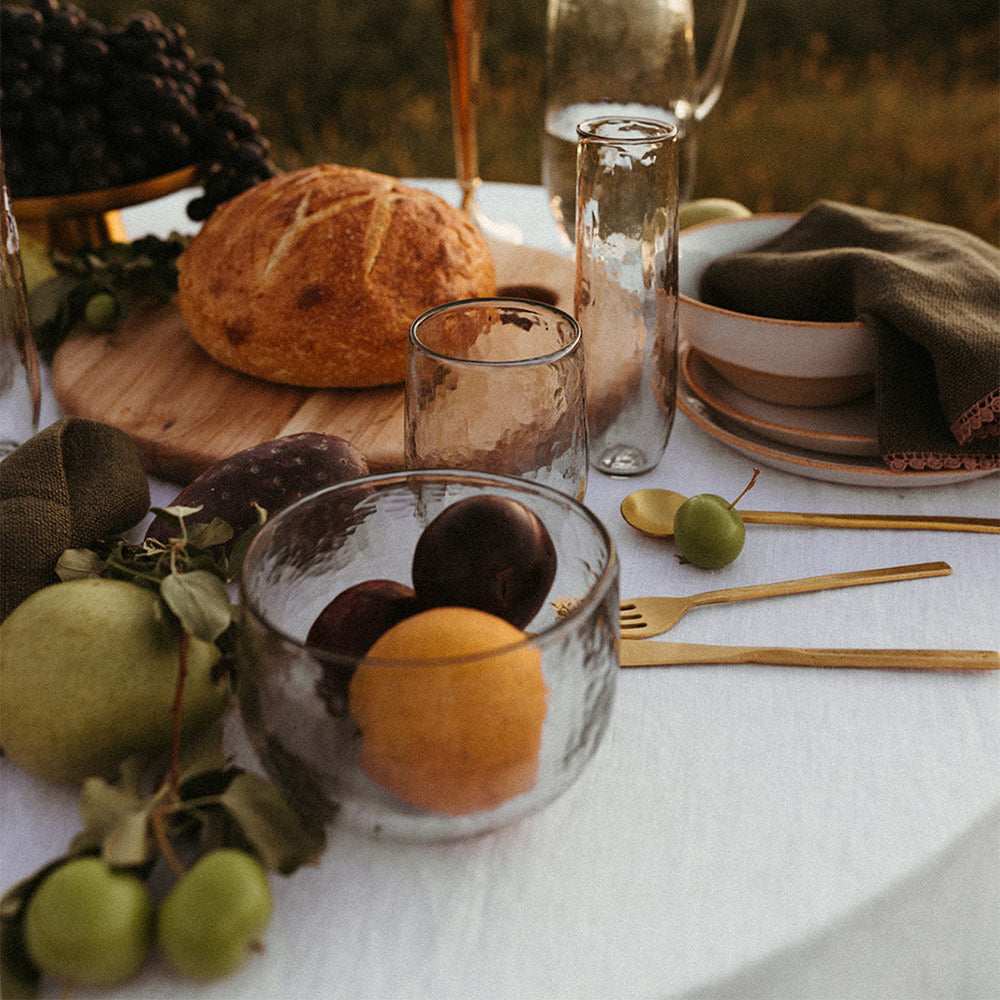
x=652, y=512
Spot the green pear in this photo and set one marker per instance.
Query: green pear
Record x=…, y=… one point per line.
x=88, y=675
x=694, y=213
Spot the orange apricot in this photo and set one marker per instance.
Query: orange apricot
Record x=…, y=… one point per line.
x=451, y=730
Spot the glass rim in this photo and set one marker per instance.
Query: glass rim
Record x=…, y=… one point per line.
x=659, y=129
x=568, y=622
x=497, y=302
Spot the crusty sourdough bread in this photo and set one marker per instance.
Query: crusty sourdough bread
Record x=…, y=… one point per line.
x=314, y=277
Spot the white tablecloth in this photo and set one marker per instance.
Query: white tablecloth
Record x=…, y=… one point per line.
x=748, y=832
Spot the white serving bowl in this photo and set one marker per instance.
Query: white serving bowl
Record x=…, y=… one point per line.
x=794, y=362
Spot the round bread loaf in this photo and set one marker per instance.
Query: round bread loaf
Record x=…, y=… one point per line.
x=314, y=277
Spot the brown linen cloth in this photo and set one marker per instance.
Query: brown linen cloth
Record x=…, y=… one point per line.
x=931, y=293
x=73, y=483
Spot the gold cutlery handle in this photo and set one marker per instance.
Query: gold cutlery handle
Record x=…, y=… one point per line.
x=899, y=521
x=654, y=653
x=828, y=581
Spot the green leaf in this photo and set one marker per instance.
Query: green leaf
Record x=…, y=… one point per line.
x=144, y=268
x=200, y=601
x=276, y=832
x=78, y=564
x=46, y=299
x=19, y=979
x=201, y=751
x=238, y=550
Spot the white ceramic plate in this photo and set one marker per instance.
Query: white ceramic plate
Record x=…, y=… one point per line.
x=847, y=429
x=848, y=470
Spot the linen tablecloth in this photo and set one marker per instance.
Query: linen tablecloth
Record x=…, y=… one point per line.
x=745, y=832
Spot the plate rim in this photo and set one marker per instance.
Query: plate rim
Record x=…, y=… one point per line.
x=814, y=466
x=825, y=440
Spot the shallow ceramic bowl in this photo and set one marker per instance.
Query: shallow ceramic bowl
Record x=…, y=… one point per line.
x=795, y=363
x=297, y=700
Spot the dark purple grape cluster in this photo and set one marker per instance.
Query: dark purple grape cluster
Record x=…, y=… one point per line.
x=86, y=107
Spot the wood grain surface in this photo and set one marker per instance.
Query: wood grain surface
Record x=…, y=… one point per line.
x=186, y=412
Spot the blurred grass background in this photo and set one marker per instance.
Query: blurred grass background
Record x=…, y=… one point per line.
x=889, y=103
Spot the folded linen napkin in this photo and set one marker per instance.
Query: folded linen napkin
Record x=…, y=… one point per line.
x=73, y=483
x=931, y=293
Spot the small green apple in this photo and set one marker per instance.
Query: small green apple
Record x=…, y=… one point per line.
x=708, y=531
x=88, y=924
x=214, y=916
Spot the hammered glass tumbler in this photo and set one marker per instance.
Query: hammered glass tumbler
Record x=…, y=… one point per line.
x=497, y=385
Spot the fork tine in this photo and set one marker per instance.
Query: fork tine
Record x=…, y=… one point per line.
x=637, y=631
x=640, y=617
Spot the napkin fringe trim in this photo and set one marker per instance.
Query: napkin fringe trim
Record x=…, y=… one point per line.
x=937, y=461
x=980, y=420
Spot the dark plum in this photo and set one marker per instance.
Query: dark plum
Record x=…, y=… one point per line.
x=486, y=552
x=357, y=616
x=350, y=624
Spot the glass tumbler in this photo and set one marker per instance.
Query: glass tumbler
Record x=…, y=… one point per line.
x=497, y=385
x=626, y=288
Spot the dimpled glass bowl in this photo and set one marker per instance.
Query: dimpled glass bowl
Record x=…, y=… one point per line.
x=294, y=698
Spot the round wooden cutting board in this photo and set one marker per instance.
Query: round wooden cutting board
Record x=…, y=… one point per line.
x=186, y=412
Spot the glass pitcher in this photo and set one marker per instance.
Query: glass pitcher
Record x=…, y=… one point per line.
x=626, y=57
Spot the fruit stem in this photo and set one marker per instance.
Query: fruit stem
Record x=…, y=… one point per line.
x=175, y=735
x=163, y=841
x=746, y=489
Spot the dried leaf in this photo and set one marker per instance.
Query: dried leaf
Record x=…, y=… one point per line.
x=78, y=564
x=204, y=536
x=174, y=516
x=103, y=806
x=128, y=843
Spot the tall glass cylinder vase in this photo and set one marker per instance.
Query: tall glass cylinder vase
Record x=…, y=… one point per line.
x=626, y=288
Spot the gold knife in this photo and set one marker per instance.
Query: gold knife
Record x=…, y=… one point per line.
x=657, y=653
x=989, y=525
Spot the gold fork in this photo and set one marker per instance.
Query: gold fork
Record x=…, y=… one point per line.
x=642, y=617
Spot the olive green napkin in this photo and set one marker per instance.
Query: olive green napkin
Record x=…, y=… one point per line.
x=70, y=485
x=932, y=295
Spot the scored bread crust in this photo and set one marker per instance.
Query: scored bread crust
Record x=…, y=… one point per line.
x=313, y=278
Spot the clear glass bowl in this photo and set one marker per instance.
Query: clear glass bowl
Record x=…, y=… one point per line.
x=296, y=699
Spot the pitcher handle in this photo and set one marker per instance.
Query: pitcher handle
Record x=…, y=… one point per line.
x=712, y=76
